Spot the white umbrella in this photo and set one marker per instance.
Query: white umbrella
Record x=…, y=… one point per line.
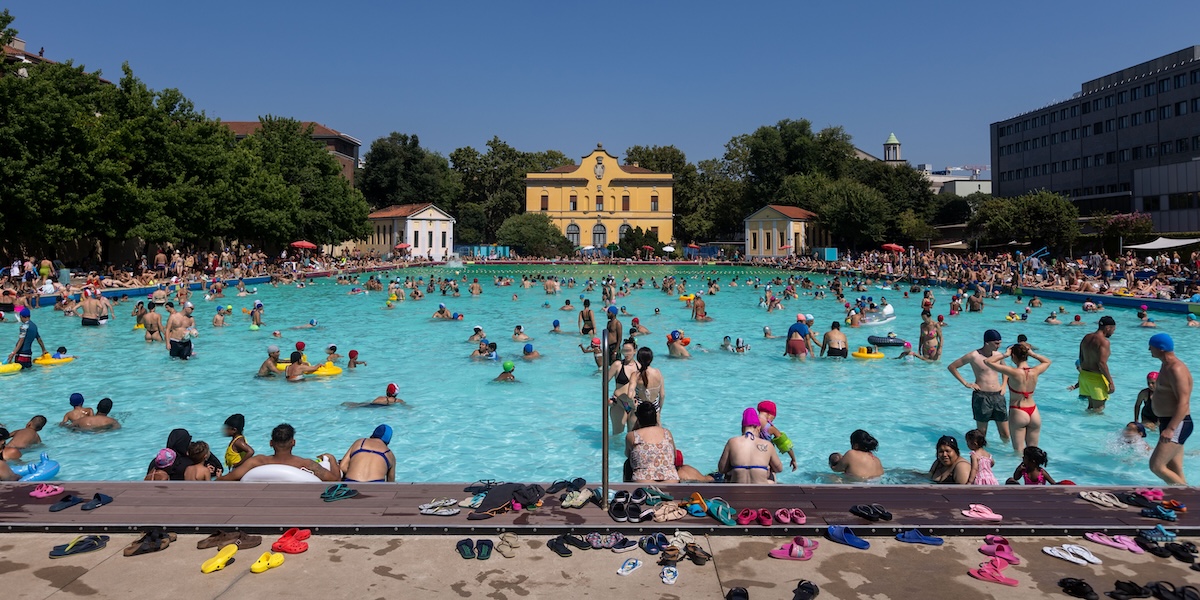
x=668, y=248
x=589, y=247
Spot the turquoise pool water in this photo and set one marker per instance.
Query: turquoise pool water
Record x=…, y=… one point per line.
x=461, y=426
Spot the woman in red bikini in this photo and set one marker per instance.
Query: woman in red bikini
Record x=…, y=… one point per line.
x=1024, y=419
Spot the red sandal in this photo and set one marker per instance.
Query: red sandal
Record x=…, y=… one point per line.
x=292, y=541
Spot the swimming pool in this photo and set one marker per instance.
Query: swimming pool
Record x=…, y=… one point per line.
x=461, y=426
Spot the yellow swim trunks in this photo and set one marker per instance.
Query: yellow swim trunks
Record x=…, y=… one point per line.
x=1093, y=386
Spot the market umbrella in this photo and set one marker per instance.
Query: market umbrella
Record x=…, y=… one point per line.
x=589, y=247
x=694, y=246
x=647, y=247
x=893, y=247
x=304, y=244
x=785, y=247
x=402, y=245
x=668, y=248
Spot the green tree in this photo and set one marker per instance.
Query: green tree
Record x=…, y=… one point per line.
x=635, y=240
x=912, y=228
x=534, y=234
x=851, y=211
x=1042, y=218
x=399, y=171
x=495, y=180
x=950, y=209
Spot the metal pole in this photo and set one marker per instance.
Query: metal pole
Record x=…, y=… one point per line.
x=604, y=420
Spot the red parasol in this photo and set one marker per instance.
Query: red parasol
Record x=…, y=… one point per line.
x=402, y=245
x=893, y=247
x=788, y=247
x=693, y=246
x=304, y=244
x=647, y=247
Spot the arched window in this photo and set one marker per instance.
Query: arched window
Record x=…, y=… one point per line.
x=624, y=229
x=599, y=236
x=573, y=234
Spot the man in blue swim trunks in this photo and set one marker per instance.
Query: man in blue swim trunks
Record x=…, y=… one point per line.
x=1171, y=401
x=369, y=460
x=23, y=352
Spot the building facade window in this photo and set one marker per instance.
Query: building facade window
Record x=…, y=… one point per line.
x=1180, y=80
x=1136, y=153
x=599, y=203
x=443, y=239
x=1135, y=93
x=754, y=240
x=654, y=231
x=1164, y=85
x=574, y=202
x=430, y=237
x=1181, y=108
x=1122, y=97
x=654, y=203
x=1135, y=119
x=1122, y=122
x=621, y=231
x=416, y=239
x=1151, y=151
x=545, y=203
x=599, y=236
x=573, y=234
x=625, y=202
x=1151, y=203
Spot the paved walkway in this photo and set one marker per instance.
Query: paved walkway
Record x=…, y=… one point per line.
x=427, y=567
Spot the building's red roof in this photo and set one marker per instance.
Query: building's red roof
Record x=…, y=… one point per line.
x=399, y=210
x=564, y=169
x=244, y=128
x=794, y=212
x=635, y=169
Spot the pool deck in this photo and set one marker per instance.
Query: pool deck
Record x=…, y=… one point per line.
x=384, y=509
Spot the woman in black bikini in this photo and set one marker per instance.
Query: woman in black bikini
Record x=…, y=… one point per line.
x=949, y=467
x=622, y=402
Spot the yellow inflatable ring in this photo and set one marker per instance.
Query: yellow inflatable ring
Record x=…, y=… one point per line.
x=139, y=326
x=47, y=360
x=327, y=370
x=688, y=297
x=9, y=368
x=863, y=352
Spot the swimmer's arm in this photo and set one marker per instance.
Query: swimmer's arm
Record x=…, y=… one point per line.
x=974, y=467
x=241, y=447
x=954, y=367
x=723, y=465
x=1048, y=478
x=776, y=463
x=236, y=473
x=344, y=464
x=334, y=473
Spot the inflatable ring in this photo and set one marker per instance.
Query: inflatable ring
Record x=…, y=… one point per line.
x=879, y=340
x=864, y=352
x=688, y=297
x=139, y=326
x=41, y=470
x=47, y=360
x=10, y=368
x=279, y=474
x=327, y=370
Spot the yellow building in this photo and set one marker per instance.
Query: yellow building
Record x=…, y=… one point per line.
x=596, y=202
x=775, y=231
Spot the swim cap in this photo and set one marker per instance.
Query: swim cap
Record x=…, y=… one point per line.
x=1152, y=375
x=354, y=354
x=454, y=315
x=622, y=308
x=484, y=341
x=1077, y=317
x=809, y=317
x=188, y=305
x=800, y=316
x=331, y=347
x=300, y=346
x=1143, y=307
x=1191, y=317
x=675, y=335
x=907, y=344
x=165, y=458
x=528, y=348
x=392, y=389
x=229, y=307
x=272, y=349
x=596, y=341
x=768, y=407
x=312, y=322
x=509, y=366
x=24, y=311
x=76, y=399
x=991, y=335
x=1162, y=341
x=581, y=296
x=236, y=421
x=383, y=433
x=612, y=310
x=635, y=321
x=750, y=418
x=556, y=323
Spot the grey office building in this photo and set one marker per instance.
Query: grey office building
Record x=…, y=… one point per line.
x=1115, y=146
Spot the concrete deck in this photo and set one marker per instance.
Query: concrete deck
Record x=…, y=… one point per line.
x=427, y=567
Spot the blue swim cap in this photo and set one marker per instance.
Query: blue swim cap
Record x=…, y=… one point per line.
x=612, y=310
x=528, y=348
x=581, y=296
x=1162, y=342
x=454, y=315
x=312, y=322
x=76, y=399
x=622, y=308
x=556, y=323
x=24, y=311
x=484, y=341
x=383, y=433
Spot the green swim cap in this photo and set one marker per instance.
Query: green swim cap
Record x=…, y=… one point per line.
x=509, y=366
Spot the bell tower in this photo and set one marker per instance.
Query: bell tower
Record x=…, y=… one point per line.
x=891, y=149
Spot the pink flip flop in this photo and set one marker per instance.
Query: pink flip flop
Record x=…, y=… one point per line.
x=747, y=516
x=1002, y=552
x=791, y=551
x=1151, y=494
x=805, y=543
x=996, y=539
x=996, y=564
x=981, y=511
x=798, y=516
x=46, y=490
x=992, y=575
x=784, y=516
x=1104, y=540
x=1128, y=543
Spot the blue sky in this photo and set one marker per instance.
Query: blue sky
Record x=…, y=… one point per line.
x=567, y=75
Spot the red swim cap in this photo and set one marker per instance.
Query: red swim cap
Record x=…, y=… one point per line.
x=768, y=407
x=392, y=389
x=300, y=346
x=678, y=459
x=354, y=354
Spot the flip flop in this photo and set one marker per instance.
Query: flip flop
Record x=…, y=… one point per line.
x=720, y=510
x=996, y=539
x=475, y=501
x=696, y=498
x=1081, y=552
x=805, y=590
x=657, y=495
x=843, y=535
x=220, y=561
x=669, y=574
x=1154, y=494
x=438, y=503
x=1129, y=543
x=1095, y=498
x=624, y=545
x=798, y=517
x=559, y=548
x=747, y=516
x=1132, y=590
x=1113, y=500
x=508, y=544
x=992, y=575
x=573, y=539
x=483, y=549
x=1002, y=552
x=914, y=536
x=558, y=486
x=790, y=551
x=465, y=548
x=804, y=542
x=1104, y=540
x=441, y=511
x=698, y=555
x=864, y=511
x=45, y=490
x=1058, y=552
x=981, y=511
x=1164, y=590
x=100, y=500
x=764, y=517
x=630, y=565
x=80, y=545
x=881, y=512
x=268, y=560
x=337, y=492
x=784, y=516
x=1180, y=554
x=1138, y=500
x=66, y=502
x=1078, y=588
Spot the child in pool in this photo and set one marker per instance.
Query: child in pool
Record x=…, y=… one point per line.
x=1134, y=434
x=1032, y=469
x=238, y=449
x=1142, y=410
x=199, y=471
x=981, y=460
x=354, y=362
x=61, y=353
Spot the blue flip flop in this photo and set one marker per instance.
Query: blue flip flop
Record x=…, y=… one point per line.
x=66, y=502
x=97, y=501
x=843, y=535
x=914, y=536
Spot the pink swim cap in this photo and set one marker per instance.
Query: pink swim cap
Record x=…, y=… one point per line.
x=596, y=341
x=907, y=344
x=750, y=418
x=1152, y=376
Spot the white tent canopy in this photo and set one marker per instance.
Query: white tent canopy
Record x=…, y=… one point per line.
x=951, y=246
x=1163, y=243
